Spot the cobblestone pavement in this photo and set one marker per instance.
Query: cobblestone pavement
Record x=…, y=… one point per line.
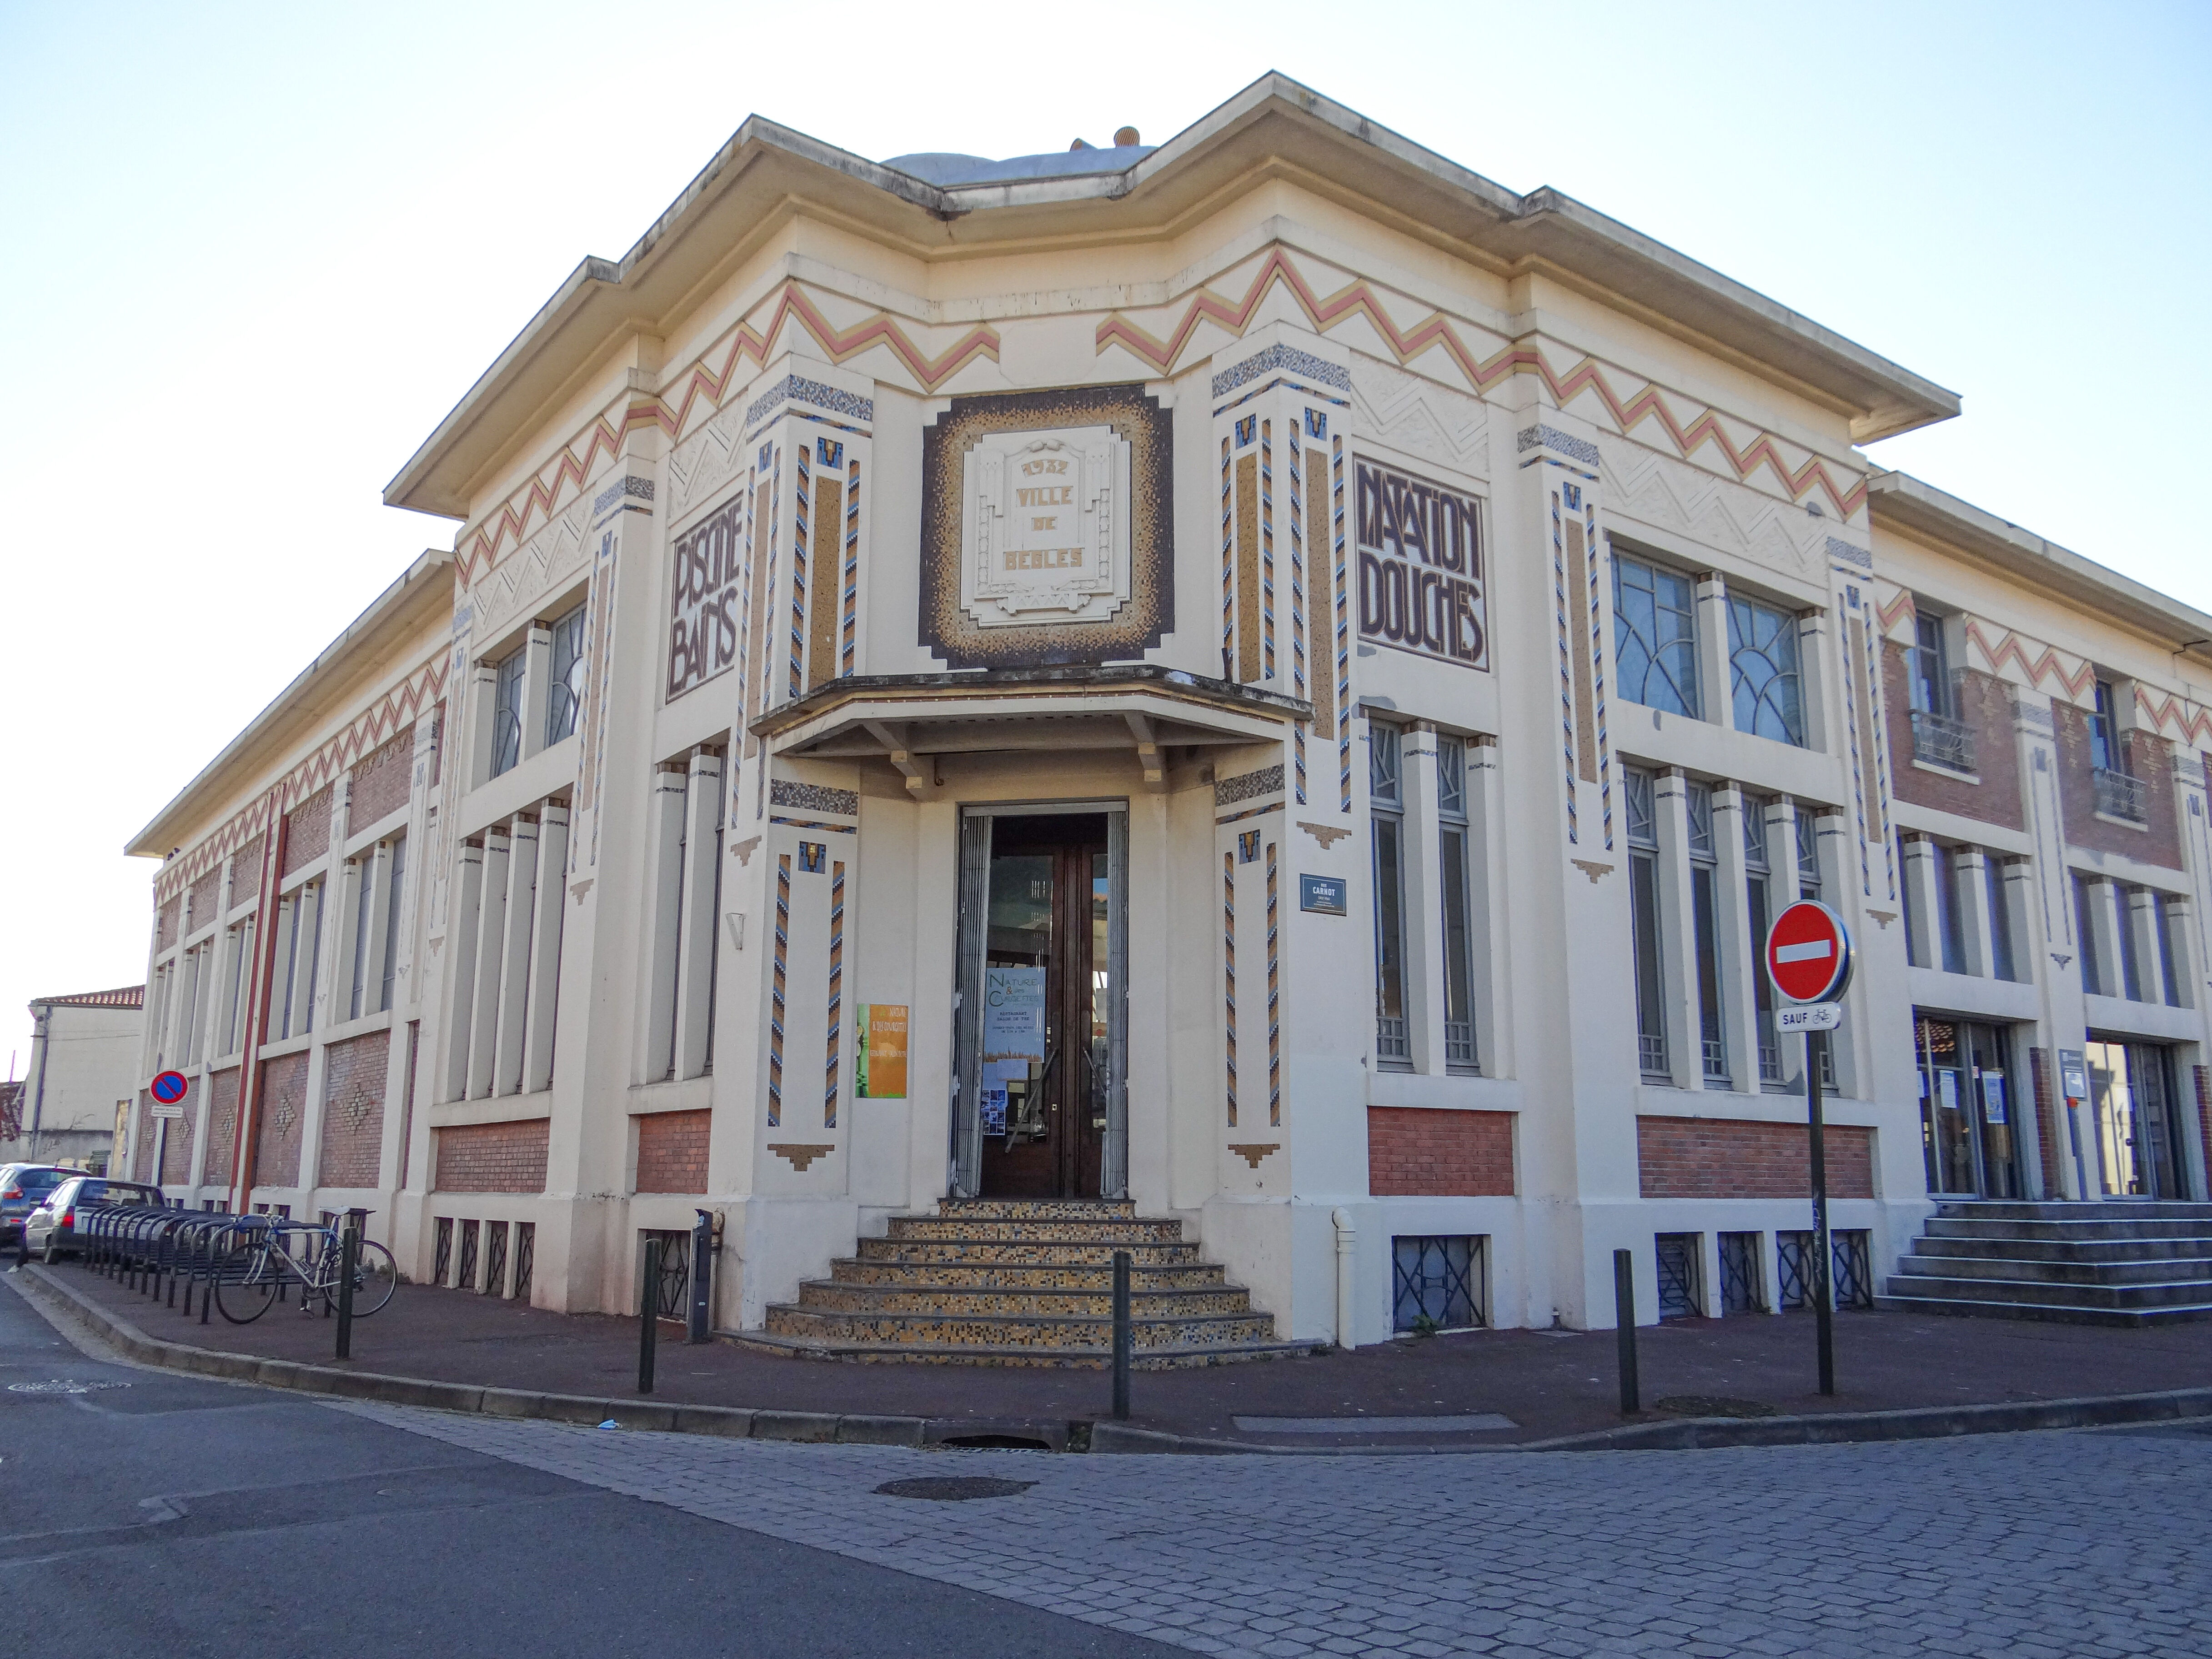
x=2057, y=1544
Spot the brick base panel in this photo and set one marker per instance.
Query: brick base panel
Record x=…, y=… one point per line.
x=671, y=1151
x=1734, y=1157
x=491, y=1158
x=352, y=1110
x=1416, y=1151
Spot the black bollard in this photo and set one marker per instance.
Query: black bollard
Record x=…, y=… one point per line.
x=349, y=1261
x=1121, y=1336
x=1624, y=1317
x=648, y=1301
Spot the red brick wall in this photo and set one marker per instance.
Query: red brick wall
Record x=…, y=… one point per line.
x=382, y=781
x=309, y=836
x=352, y=1110
x=245, y=873
x=280, y=1120
x=177, y=1155
x=491, y=1158
x=1732, y=1157
x=206, y=894
x=2151, y=759
x=165, y=925
x=1984, y=705
x=1415, y=1152
x=2046, y=1119
x=672, y=1152
x=223, y=1127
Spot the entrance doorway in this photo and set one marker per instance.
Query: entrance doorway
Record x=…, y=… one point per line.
x=2138, y=1130
x=1966, y=1107
x=1041, y=1045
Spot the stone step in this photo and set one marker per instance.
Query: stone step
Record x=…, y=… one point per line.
x=1038, y=1209
x=2161, y=1293
x=2121, y=1209
x=1065, y=1331
x=928, y=1353
x=2085, y=1227
x=829, y=1296
x=2050, y=1312
x=1022, y=1253
x=2034, y=1270
x=1028, y=1274
x=2081, y=1251
x=1071, y=1230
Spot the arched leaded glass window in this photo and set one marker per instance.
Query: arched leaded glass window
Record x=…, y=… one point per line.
x=1763, y=671
x=1655, y=636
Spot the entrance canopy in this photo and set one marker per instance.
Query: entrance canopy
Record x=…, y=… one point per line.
x=908, y=719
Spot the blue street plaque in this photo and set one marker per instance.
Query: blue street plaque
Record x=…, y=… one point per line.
x=1321, y=894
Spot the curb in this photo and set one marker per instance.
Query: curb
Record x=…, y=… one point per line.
x=64, y=1303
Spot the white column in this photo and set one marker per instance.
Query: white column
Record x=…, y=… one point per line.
x=1924, y=920
x=1424, y=901
x=2019, y=900
x=2141, y=920
x=1678, y=943
x=1739, y=953
x=491, y=930
x=1714, y=700
x=521, y=915
x=1971, y=893
x=2104, y=924
x=536, y=689
x=665, y=825
x=1485, y=810
x=2181, y=929
x=695, y=933
x=1814, y=648
x=483, y=702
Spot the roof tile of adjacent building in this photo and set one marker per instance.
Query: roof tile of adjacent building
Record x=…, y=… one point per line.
x=125, y=996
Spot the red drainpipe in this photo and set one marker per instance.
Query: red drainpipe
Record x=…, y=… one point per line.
x=243, y=1157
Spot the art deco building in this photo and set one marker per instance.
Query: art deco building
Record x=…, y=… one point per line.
x=1268, y=676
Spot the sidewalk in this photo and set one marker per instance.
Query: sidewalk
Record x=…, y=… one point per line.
x=1546, y=1384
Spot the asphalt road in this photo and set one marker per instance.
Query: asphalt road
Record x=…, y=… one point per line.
x=160, y=1515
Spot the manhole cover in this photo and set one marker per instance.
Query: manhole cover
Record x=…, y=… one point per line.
x=1713, y=1405
x=953, y=1488
x=63, y=1385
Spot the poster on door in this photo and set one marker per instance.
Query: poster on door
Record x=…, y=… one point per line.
x=1013, y=1037
x=881, y=1073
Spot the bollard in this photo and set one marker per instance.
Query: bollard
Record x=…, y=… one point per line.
x=349, y=1260
x=703, y=1271
x=649, y=1302
x=1823, y=1296
x=1122, y=1334
x=1623, y=1316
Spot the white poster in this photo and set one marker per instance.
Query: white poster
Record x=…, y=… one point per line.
x=1013, y=1014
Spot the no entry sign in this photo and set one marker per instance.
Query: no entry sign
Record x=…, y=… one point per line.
x=1808, y=952
x=169, y=1088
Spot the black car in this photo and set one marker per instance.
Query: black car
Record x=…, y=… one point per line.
x=51, y=1230
x=23, y=1187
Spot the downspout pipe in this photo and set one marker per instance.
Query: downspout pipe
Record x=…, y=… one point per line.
x=42, y=1015
x=243, y=1159
x=1347, y=1241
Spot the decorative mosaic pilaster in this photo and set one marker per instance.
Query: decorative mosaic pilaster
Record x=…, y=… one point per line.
x=1229, y=972
x=1343, y=628
x=799, y=555
x=1266, y=549
x=852, y=583
x=1597, y=666
x=1228, y=571
x=836, y=992
x=777, y=989
x=1274, y=1003
x=1297, y=612
x=1566, y=667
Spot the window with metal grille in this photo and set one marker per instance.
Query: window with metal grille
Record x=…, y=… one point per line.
x=1763, y=671
x=442, y=1260
x=1641, y=790
x=1705, y=877
x=1743, y=1287
x=2093, y=970
x=494, y=1278
x=1759, y=913
x=1392, y=1040
x=1452, y=852
x=1681, y=1263
x=1438, y=1282
x=507, y=715
x=466, y=1279
x=1654, y=622
x=1851, y=1274
x=566, y=694
x=672, y=1290
x=525, y=1257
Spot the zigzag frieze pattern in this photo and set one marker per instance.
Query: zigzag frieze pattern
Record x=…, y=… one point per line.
x=381, y=721
x=1359, y=298
x=2008, y=649
x=527, y=572
x=1420, y=417
x=711, y=383
x=2187, y=722
x=1662, y=490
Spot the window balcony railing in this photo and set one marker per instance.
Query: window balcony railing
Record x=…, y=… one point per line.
x=2120, y=796
x=1459, y=1043
x=1391, y=1042
x=1938, y=740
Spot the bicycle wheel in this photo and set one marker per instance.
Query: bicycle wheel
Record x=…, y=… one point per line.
x=375, y=1276
x=246, y=1284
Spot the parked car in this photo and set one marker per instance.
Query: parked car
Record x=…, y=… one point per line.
x=51, y=1230
x=23, y=1187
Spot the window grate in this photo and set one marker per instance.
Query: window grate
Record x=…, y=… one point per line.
x=1742, y=1290
x=1939, y=740
x=1851, y=1276
x=442, y=1260
x=673, y=1292
x=466, y=1279
x=1459, y=1042
x=525, y=1257
x=1680, y=1290
x=1390, y=1040
x=1437, y=1283
x=2120, y=796
x=494, y=1278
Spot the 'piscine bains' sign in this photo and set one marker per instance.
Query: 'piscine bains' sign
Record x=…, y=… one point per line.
x=1420, y=566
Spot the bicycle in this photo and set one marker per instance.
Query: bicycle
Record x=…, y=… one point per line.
x=260, y=1263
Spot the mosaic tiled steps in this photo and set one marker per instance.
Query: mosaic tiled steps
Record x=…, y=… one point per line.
x=2124, y=1262
x=1013, y=1283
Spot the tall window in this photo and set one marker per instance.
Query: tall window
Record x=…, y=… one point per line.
x=299, y=951
x=1929, y=662
x=363, y=872
x=1758, y=909
x=2106, y=753
x=567, y=692
x=1808, y=854
x=2002, y=961
x=2131, y=977
x=1642, y=793
x=395, y=883
x=2170, y=951
x=507, y=715
x=1386, y=791
x=203, y=970
x=1705, y=877
x=381, y=873
x=1950, y=923
x=238, y=967
x=1655, y=636
x=2093, y=969
x=1763, y=671
x=1459, y=936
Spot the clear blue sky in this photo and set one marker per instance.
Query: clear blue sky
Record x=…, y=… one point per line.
x=253, y=253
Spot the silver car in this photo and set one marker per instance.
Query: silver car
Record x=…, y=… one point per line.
x=23, y=1187
x=51, y=1230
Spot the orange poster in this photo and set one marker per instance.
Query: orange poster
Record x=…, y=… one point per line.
x=882, y=1051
